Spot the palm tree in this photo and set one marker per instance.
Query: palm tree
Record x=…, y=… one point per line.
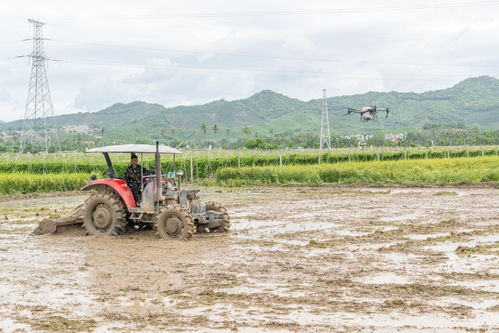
x=173, y=130
x=204, y=128
x=246, y=130
x=215, y=128
x=227, y=131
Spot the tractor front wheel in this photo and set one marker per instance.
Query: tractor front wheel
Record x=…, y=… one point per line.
x=224, y=227
x=104, y=214
x=174, y=221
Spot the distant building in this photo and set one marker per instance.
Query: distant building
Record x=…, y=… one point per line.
x=361, y=138
x=395, y=138
x=84, y=129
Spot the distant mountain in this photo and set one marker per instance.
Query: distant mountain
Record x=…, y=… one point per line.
x=474, y=100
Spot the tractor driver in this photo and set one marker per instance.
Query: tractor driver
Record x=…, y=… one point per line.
x=133, y=176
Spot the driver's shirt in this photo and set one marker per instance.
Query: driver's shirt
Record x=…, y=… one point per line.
x=133, y=175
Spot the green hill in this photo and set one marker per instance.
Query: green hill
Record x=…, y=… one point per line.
x=474, y=100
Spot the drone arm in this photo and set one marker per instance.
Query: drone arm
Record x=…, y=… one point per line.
x=352, y=111
x=385, y=110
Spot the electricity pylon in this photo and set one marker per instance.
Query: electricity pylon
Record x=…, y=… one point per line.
x=39, y=124
x=325, y=140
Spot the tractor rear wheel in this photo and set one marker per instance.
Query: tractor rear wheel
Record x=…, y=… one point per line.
x=104, y=214
x=224, y=227
x=174, y=221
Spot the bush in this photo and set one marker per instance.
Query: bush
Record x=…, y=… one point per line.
x=259, y=143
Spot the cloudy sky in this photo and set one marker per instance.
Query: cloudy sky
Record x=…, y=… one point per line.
x=190, y=52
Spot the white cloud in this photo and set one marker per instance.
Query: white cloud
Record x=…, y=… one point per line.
x=164, y=52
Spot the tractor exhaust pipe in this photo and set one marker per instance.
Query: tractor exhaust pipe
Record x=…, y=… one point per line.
x=159, y=191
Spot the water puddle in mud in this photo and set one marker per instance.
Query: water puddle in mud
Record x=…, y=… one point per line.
x=400, y=218
x=384, y=278
x=420, y=321
x=426, y=236
x=468, y=264
x=243, y=224
x=346, y=232
x=10, y=325
x=277, y=289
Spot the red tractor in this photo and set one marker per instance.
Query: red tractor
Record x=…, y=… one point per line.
x=173, y=212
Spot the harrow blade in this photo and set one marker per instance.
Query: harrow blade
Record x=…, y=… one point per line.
x=47, y=226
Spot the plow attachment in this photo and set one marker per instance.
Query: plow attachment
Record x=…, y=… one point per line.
x=47, y=226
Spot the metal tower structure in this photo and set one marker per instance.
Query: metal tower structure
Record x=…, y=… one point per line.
x=325, y=140
x=39, y=129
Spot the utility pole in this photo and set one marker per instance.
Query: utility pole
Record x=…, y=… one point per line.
x=325, y=140
x=37, y=127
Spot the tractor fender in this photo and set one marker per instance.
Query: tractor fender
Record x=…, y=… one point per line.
x=119, y=186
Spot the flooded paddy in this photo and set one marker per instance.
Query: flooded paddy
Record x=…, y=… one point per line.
x=297, y=259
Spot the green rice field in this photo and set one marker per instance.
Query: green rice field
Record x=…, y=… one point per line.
x=416, y=172
x=69, y=171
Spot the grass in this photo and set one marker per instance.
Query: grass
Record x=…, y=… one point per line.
x=417, y=172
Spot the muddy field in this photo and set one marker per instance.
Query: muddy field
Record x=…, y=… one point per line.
x=297, y=259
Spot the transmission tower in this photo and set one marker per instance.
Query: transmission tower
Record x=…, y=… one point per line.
x=325, y=140
x=39, y=129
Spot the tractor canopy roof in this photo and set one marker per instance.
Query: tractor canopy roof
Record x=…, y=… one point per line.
x=134, y=148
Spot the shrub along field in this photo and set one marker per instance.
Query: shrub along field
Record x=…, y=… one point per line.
x=417, y=172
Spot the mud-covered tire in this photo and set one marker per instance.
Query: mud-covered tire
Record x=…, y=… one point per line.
x=175, y=222
x=104, y=214
x=224, y=227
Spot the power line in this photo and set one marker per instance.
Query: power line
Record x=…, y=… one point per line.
x=323, y=60
x=221, y=54
x=265, y=71
x=262, y=71
x=182, y=15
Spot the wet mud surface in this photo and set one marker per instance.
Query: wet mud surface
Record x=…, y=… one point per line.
x=297, y=259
